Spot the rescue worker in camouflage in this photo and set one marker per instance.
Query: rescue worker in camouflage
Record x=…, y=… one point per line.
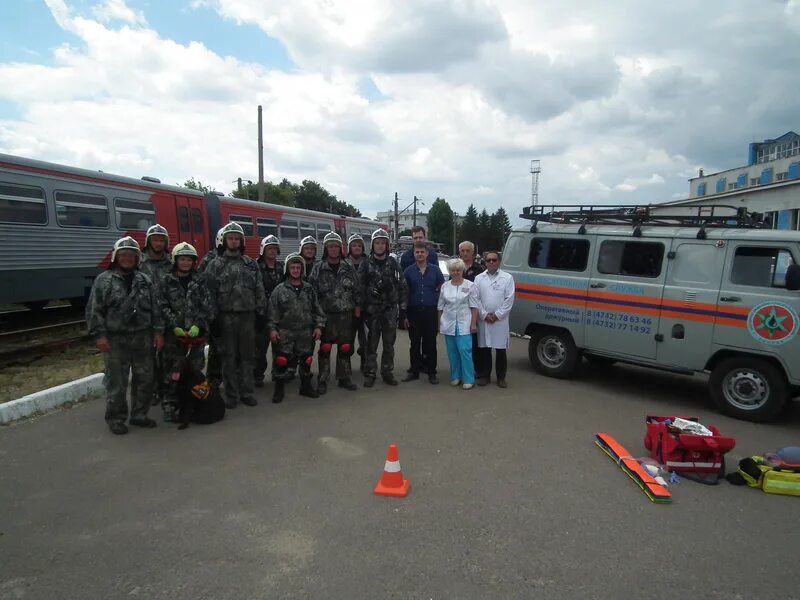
x=183, y=321
x=271, y=275
x=156, y=264
x=214, y=364
x=385, y=292
x=355, y=256
x=339, y=292
x=236, y=295
x=124, y=319
x=295, y=322
x=308, y=250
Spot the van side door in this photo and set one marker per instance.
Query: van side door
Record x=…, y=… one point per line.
x=756, y=311
x=624, y=301
x=689, y=305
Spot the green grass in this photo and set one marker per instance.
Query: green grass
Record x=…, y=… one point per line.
x=49, y=371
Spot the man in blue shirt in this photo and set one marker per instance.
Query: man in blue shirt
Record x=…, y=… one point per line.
x=407, y=259
x=424, y=281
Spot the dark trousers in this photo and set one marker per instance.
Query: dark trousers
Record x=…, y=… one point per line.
x=483, y=368
x=422, y=325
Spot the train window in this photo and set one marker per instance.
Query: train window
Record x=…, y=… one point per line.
x=307, y=229
x=76, y=209
x=288, y=230
x=323, y=229
x=266, y=227
x=197, y=221
x=134, y=214
x=183, y=219
x=22, y=204
x=245, y=222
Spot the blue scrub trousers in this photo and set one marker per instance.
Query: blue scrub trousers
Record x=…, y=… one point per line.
x=459, y=353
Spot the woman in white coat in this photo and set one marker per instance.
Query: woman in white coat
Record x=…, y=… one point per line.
x=496, y=293
x=458, y=316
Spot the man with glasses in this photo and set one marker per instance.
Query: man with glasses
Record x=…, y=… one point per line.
x=496, y=292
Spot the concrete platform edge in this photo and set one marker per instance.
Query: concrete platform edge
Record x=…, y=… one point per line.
x=49, y=399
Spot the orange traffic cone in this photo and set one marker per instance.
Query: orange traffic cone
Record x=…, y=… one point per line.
x=392, y=482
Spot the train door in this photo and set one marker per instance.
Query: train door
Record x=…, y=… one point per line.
x=198, y=224
x=184, y=233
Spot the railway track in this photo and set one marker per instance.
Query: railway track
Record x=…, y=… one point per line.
x=24, y=346
x=19, y=319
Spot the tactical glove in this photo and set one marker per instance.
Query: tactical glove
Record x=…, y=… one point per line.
x=179, y=332
x=194, y=331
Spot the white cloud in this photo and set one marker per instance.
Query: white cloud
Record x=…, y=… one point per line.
x=471, y=91
x=117, y=10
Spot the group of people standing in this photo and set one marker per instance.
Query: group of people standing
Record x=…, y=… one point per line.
x=153, y=308
x=470, y=310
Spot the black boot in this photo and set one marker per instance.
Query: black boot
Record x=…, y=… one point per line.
x=277, y=395
x=322, y=388
x=143, y=422
x=118, y=428
x=389, y=379
x=347, y=384
x=306, y=389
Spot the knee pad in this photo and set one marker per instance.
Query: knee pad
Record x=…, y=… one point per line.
x=325, y=348
x=307, y=360
x=346, y=349
x=281, y=362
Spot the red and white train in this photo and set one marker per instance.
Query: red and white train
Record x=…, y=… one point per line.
x=58, y=223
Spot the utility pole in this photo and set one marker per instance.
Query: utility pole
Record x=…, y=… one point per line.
x=396, y=221
x=260, y=157
x=415, y=212
x=239, y=184
x=536, y=169
x=455, y=222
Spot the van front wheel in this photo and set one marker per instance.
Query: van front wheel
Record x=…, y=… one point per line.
x=748, y=388
x=552, y=352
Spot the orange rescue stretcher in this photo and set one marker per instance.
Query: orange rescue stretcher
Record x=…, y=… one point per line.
x=652, y=489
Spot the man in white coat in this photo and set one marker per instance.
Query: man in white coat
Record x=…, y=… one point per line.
x=496, y=293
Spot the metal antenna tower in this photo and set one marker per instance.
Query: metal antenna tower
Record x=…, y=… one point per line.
x=535, y=170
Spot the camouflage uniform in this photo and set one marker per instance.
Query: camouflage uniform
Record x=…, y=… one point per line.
x=214, y=364
x=236, y=296
x=181, y=306
x=384, y=290
x=360, y=323
x=271, y=278
x=339, y=293
x=128, y=318
x=156, y=270
x=294, y=313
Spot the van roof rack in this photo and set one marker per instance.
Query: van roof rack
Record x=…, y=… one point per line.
x=702, y=216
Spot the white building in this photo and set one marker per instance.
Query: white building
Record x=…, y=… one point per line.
x=405, y=220
x=769, y=184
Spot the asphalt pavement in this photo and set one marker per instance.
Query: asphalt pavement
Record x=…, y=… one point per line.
x=510, y=498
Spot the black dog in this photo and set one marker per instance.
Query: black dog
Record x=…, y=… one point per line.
x=198, y=401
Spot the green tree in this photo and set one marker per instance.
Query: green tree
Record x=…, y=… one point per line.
x=404, y=232
x=484, y=236
x=193, y=184
x=440, y=223
x=468, y=231
x=501, y=227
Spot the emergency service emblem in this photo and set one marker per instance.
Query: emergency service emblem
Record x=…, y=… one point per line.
x=773, y=323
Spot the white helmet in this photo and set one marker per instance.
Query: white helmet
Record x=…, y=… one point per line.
x=293, y=257
x=155, y=230
x=309, y=239
x=378, y=234
x=231, y=228
x=270, y=240
x=218, y=238
x=332, y=238
x=354, y=238
x=183, y=249
x=126, y=243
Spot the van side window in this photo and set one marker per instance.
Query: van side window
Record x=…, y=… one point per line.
x=636, y=259
x=562, y=254
x=759, y=266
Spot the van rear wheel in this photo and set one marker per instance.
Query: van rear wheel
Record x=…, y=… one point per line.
x=748, y=388
x=552, y=352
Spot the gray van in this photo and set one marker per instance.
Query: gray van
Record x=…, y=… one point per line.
x=704, y=292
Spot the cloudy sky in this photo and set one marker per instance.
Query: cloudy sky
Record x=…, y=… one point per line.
x=621, y=101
